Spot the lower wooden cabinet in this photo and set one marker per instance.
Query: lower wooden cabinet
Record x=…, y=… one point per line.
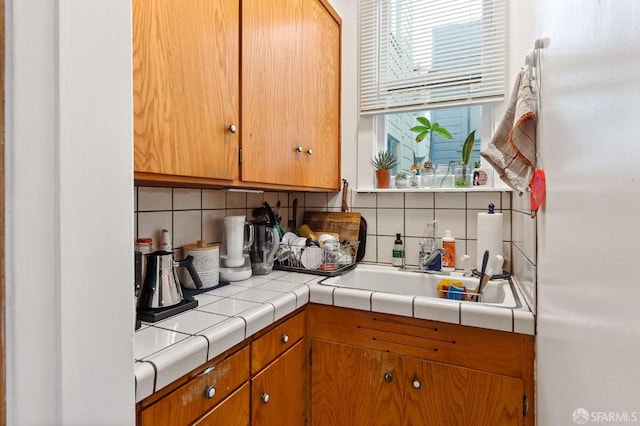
x=377, y=369
x=361, y=386
x=278, y=391
x=233, y=411
x=203, y=391
x=263, y=382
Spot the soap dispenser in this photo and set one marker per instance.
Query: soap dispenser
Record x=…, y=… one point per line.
x=398, y=252
x=449, y=255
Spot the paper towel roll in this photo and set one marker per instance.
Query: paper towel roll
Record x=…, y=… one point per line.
x=489, y=236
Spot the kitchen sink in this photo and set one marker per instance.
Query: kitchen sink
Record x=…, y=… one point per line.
x=380, y=278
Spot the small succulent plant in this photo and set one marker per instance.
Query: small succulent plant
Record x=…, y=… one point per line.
x=384, y=160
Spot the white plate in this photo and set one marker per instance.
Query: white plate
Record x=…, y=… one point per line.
x=311, y=257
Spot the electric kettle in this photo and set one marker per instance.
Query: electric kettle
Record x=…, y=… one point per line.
x=161, y=287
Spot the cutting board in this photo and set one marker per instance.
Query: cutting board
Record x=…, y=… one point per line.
x=347, y=224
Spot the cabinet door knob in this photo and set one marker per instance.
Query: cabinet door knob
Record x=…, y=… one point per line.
x=388, y=377
x=309, y=151
x=233, y=128
x=265, y=398
x=284, y=338
x=298, y=148
x=416, y=383
x=210, y=392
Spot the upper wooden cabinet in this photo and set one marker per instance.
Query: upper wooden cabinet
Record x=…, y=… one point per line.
x=291, y=93
x=188, y=94
x=186, y=87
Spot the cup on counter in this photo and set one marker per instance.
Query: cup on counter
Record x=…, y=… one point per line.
x=330, y=255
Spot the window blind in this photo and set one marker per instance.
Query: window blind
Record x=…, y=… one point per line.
x=422, y=54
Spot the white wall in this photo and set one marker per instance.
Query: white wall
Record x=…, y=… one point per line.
x=68, y=219
x=588, y=342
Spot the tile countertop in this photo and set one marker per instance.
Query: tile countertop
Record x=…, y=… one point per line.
x=166, y=350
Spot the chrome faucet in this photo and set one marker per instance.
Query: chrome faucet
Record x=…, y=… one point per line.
x=430, y=261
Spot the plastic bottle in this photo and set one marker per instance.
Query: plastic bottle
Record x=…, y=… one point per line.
x=449, y=248
x=398, y=252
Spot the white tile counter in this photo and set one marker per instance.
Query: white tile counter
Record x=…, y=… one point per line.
x=166, y=350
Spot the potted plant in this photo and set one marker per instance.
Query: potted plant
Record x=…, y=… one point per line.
x=462, y=177
x=383, y=162
x=427, y=128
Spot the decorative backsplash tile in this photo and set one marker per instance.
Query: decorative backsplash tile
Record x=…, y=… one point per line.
x=192, y=214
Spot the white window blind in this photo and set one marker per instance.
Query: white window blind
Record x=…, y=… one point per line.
x=422, y=54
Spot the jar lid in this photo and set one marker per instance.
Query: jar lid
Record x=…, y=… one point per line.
x=200, y=245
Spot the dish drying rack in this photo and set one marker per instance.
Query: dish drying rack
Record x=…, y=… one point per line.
x=292, y=258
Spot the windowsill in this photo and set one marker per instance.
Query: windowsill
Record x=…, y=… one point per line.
x=396, y=190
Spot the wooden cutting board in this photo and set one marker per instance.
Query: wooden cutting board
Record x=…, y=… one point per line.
x=347, y=224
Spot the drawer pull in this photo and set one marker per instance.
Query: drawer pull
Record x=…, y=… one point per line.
x=265, y=398
x=285, y=338
x=210, y=392
x=309, y=151
x=298, y=148
x=233, y=128
x=416, y=383
x=388, y=377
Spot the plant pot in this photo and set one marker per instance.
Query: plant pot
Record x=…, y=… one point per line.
x=383, y=177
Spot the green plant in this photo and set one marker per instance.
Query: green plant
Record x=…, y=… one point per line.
x=467, y=147
x=427, y=128
x=461, y=178
x=384, y=160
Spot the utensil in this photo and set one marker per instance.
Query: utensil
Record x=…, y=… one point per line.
x=273, y=219
x=292, y=223
x=485, y=261
x=345, y=188
x=161, y=287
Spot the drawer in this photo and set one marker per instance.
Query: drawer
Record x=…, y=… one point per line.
x=272, y=344
x=233, y=411
x=200, y=394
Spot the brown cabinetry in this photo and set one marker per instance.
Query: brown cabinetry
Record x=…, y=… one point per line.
x=186, y=88
x=204, y=391
x=372, y=368
x=291, y=93
x=278, y=391
x=262, y=383
x=192, y=117
x=279, y=375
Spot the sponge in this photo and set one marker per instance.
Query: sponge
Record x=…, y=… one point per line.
x=449, y=288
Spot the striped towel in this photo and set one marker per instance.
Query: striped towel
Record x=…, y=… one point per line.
x=512, y=150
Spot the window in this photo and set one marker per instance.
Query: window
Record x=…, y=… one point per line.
x=424, y=54
x=459, y=121
x=440, y=59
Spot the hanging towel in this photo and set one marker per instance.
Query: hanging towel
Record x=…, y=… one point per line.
x=512, y=150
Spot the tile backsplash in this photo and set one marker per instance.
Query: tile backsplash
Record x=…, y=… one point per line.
x=194, y=214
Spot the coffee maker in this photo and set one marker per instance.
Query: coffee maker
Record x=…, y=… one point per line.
x=234, y=263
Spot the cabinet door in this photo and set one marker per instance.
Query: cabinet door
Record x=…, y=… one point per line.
x=272, y=111
x=322, y=70
x=186, y=87
x=354, y=386
x=438, y=394
x=278, y=391
x=200, y=394
x=233, y=411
